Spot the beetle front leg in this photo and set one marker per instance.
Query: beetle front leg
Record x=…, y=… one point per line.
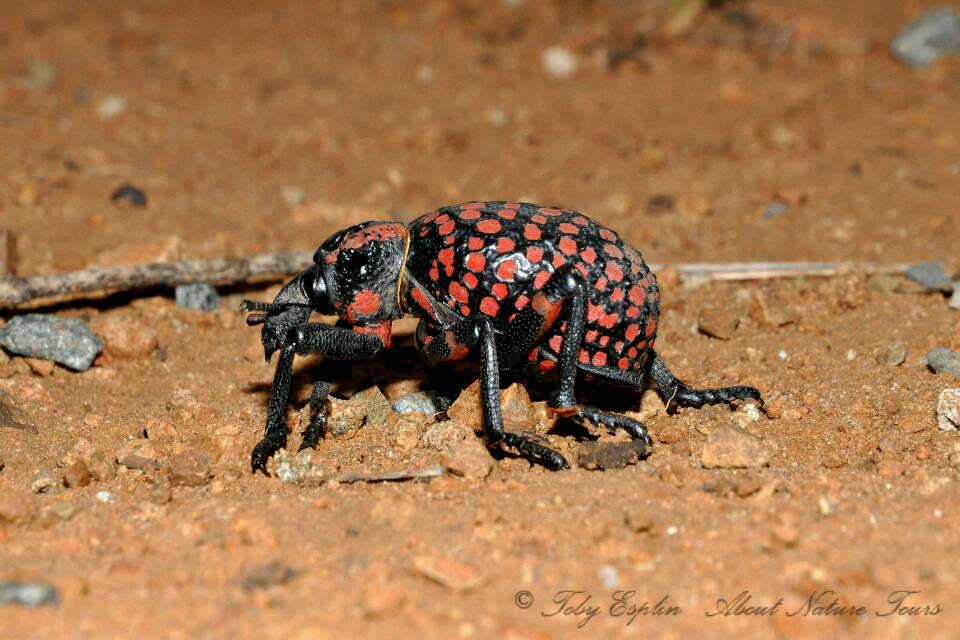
x=334, y=342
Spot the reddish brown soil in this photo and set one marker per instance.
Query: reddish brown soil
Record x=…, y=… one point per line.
x=228, y=104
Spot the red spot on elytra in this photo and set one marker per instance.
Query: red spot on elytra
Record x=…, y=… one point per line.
x=489, y=306
x=489, y=226
x=567, y=245
x=547, y=366
x=555, y=343
x=541, y=279
x=651, y=327
x=521, y=302
x=475, y=243
x=600, y=359
x=606, y=234
x=566, y=227
x=608, y=321
x=421, y=299
x=580, y=220
x=505, y=244
x=623, y=363
x=434, y=272
x=507, y=214
x=534, y=254
x=632, y=332
x=594, y=312
x=637, y=295
x=470, y=280
x=476, y=262
x=591, y=336
x=633, y=312
x=499, y=290
x=613, y=251
x=558, y=261
x=604, y=340
x=459, y=292
x=538, y=219
x=506, y=270
x=613, y=271
x=511, y=205
x=470, y=214
x=447, y=228
x=548, y=211
x=589, y=255
x=442, y=219
x=632, y=352
x=531, y=232
x=617, y=294
x=601, y=283
x=584, y=356
x=430, y=217
x=446, y=256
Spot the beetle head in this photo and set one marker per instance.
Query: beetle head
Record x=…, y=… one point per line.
x=355, y=275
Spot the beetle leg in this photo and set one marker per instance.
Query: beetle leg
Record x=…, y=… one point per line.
x=335, y=342
x=493, y=420
x=319, y=405
x=675, y=393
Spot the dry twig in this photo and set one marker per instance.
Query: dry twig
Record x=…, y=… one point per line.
x=16, y=291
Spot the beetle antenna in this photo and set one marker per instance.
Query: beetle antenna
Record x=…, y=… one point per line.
x=268, y=307
x=256, y=318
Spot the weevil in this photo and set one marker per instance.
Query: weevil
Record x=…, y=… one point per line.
x=520, y=284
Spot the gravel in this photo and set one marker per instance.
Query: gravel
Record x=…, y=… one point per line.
x=933, y=34
x=419, y=402
x=948, y=410
x=44, y=481
x=197, y=295
x=892, y=354
x=774, y=209
x=68, y=341
x=129, y=194
x=40, y=75
x=943, y=360
x=931, y=276
x=730, y=448
x=29, y=594
x=559, y=62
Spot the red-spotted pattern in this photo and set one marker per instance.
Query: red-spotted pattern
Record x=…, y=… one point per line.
x=493, y=257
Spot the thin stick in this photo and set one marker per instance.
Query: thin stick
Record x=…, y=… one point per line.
x=224, y=271
x=387, y=476
x=16, y=291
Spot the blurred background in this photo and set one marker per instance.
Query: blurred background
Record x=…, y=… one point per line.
x=702, y=130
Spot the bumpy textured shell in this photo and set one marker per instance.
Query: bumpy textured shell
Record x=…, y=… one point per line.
x=492, y=257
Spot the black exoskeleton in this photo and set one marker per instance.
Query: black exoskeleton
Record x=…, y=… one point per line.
x=523, y=284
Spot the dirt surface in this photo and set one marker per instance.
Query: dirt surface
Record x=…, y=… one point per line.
x=266, y=127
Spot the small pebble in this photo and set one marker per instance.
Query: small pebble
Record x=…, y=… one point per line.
x=197, y=295
x=76, y=475
x=594, y=454
x=104, y=496
x=378, y=407
x=609, y=576
x=851, y=355
x=68, y=341
x=559, y=62
x=268, y=574
x=892, y=354
x=948, y=410
x=449, y=572
x=345, y=418
x=419, y=402
x=29, y=594
x=783, y=355
x=944, y=361
x=470, y=459
x=111, y=107
x=44, y=481
x=931, y=276
x=40, y=75
x=931, y=35
x=730, y=448
x=129, y=194
x=774, y=209
x=190, y=468
x=293, y=196
x=955, y=298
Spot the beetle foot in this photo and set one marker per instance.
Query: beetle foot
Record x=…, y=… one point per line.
x=264, y=450
x=536, y=452
x=612, y=421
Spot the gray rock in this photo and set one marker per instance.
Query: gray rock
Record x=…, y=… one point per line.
x=197, y=295
x=29, y=594
x=943, y=360
x=68, y=341
x=930, y=275
x=928, y=37
x=378, y=407
x=419, y=402
x=44, y=481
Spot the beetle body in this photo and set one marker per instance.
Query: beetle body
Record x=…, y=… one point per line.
x=523, y=284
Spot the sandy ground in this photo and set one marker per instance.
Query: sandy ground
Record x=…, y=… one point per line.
x=267, y=126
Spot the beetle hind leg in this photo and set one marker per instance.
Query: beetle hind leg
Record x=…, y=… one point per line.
x=675, y=393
